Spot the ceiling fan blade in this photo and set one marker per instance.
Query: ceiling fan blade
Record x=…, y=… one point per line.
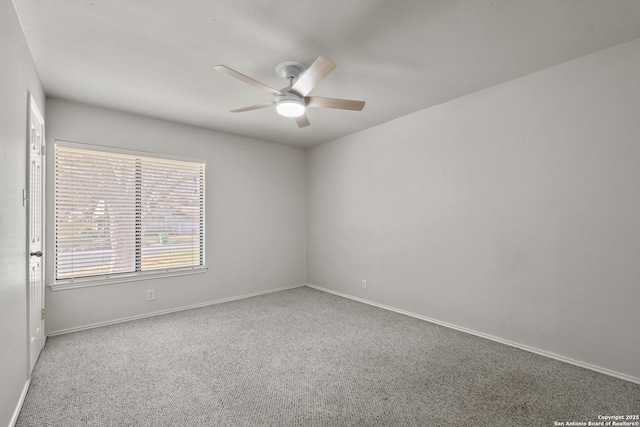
x=320, y=69
x=247, y=79
x=302, y=121
x=342, y=104
x=255, y=107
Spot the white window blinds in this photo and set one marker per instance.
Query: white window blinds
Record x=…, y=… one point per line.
x=123, y=214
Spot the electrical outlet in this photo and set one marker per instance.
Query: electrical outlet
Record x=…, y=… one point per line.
x=364, y=283
x=151, y=294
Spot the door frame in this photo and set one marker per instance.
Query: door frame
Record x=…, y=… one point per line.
x=33, y=109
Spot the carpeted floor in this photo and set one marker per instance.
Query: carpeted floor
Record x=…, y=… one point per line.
x=303, y=357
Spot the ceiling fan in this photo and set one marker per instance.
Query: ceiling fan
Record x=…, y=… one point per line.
x=292, y=101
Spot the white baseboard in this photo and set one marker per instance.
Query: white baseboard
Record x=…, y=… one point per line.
x=489, y=337
x=171, y=310
x=16, y=412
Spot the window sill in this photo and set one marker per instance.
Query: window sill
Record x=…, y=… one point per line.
x=122, y=278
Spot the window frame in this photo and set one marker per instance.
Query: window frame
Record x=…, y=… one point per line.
x=104, y=279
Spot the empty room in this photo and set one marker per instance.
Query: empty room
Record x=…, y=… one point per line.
x=320, y=213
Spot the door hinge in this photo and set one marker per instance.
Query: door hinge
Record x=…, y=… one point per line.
x=42, y=312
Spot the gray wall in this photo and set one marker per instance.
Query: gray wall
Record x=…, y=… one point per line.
x=513, y=212
x=255, y=215
x=17, y=77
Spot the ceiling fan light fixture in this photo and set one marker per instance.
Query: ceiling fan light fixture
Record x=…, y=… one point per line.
x=290, y=107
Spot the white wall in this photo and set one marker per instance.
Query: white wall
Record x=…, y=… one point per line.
x=255, y=215
x=17, y=77
x=513, y=212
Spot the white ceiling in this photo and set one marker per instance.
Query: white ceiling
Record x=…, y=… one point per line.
x=156, y=57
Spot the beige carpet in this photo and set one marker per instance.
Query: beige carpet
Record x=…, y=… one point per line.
x=306, y=358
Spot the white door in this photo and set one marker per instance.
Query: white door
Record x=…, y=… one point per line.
x=36, y=232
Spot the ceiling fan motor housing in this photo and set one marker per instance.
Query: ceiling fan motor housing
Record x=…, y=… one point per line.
x=290, y=105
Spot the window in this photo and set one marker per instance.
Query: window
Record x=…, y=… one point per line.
x=122, y=214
